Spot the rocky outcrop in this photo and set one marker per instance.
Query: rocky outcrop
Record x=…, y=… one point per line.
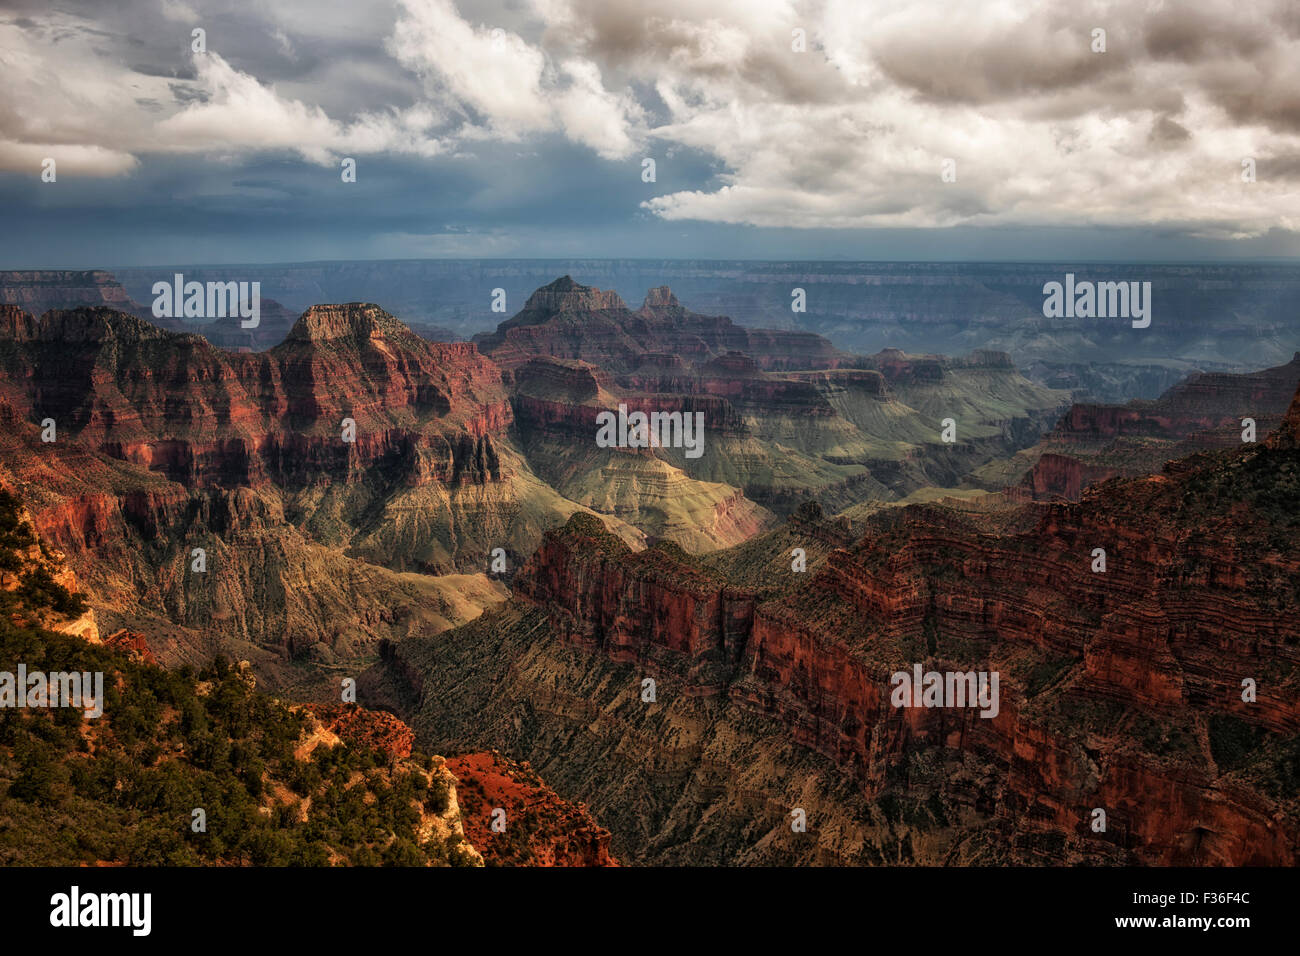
x=1202, y=403
x=15, y=324
x=133, y=644
x=36, y=586
x=787, y=417
x=565, y=320
x=1199, y=405
x=1287, y=435
x=534, y=826
x=630, y=605
x=372, y=729
x=564, y=295
x=164, y=444
x=440, y=819
x=538, y=827
x=558, y=404
x=1060, y=476
x=175, y=404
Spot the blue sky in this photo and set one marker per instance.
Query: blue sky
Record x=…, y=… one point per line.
x=520, y=129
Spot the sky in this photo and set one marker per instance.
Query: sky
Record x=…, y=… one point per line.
x=849, y=129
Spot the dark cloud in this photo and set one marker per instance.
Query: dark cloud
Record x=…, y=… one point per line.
x=1042, y=127
x=1190, y=35
x=1279, y=166
x=187, y=94
x=1023, y=61
x=1247, y=100
x=178, y=71
x=625, y=38
x=1165, y=132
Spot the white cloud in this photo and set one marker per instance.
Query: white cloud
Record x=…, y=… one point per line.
x=489, y=71
x=1043, y=130
x=851, y=133
x=507, y=86
x=73, y=159
x=591, y=115
x=241, y=113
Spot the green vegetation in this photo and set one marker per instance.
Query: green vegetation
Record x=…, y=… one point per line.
x=14, y=532
x=1267, y=481
x=123, y=787
x=1164, y=736
x=581, y=523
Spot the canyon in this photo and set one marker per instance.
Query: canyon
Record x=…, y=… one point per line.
x=656, y=657
x=353, y=482
x=431, y=810
x=313, y=546
x=1121, y=690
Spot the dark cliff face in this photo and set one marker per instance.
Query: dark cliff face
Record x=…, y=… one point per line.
x=1060, y=476
x=1121, y=689
x=200, y=415
x=1204, y=412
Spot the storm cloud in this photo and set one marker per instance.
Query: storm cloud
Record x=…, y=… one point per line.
x=769, y=114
